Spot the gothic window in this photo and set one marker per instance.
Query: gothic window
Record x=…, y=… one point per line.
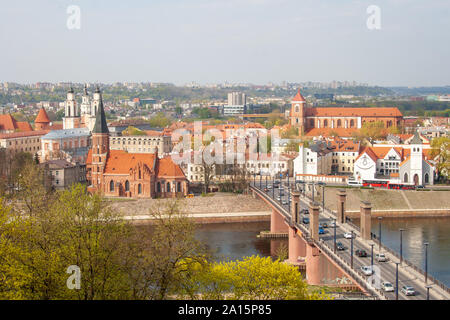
x=111, y=186
x=168, y=187
x=296, y=109
x=352, y=123
x=139, y=188
x=179, y=187
x=427, y=178
x=325, y=123
x=339, y=123
x=127, y=185
x=158, y=187
x=405, y=177
x=311, y=123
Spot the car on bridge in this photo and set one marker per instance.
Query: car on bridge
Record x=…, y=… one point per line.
x=324, y=225
x=381, y=257
x=304, y=211
x=305, y=220
x=408, y=291
x=349, y=235
x=387, y=286
x=361, y=253
x=266, y=190
x=321, y=230
x=367, y=270
x=284, y=202
x=340, y=246
x=278, y=198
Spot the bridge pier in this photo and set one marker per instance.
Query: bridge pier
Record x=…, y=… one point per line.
x=341, y=195
x=297, y=246
x=314, y=220
x=366, y=220
x=319, y=270
x=277, y=223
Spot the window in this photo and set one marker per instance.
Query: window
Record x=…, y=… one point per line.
x=427, y=178
x=179, y=187
x=111, y=186
x=127, y=185
x=168, y=187
x=158, y=186
x=139, y=188
x=405, y=177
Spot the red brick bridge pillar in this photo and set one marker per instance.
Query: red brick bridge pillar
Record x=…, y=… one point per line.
x=297, y=246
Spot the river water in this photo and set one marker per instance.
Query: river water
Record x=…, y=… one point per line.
x=236, y=240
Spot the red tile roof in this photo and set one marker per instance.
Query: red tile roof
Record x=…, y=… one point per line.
x=23, y=134
x=121, y=162
x=353, y=112
x=342, y=132
x=8, y=123
x=42, y=117
x=166, y=168
x=298, y=97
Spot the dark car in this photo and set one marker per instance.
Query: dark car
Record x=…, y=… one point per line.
x=305, y=220
x=361, y=253
x=340, y=246
x=304, y=211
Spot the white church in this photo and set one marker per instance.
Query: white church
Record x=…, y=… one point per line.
x=405, y=164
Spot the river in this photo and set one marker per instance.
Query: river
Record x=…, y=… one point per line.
x=236, y=240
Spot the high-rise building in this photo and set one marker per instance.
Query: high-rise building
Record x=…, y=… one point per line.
x=237, y=98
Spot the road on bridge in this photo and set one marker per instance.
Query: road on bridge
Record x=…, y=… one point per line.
x=387, y=269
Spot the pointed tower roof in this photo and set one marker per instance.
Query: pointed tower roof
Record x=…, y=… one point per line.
x=299, y=97
x=42, y=117
x=70, y=90
x=100, y=121
x=97, y=89
x=85, y=89
x=416, y=139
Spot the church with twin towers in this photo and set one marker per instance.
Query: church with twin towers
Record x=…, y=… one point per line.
x=83, y=115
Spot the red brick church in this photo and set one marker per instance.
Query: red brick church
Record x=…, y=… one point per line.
x=322, y=120
x=136, y=175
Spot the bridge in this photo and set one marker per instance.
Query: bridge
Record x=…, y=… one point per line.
x=329, y=255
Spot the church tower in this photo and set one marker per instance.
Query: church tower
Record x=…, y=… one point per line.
x=85, y=103
x=100, y=146
x=297, y=114
x=416, y=170
x=72, y=113
x=96, y=102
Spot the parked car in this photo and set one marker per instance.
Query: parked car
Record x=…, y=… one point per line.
x=304, y=211
x=285, y=202
x=321, y=231
x=408, y=291
x=387, y=286
x=340, y=246
x=367, y=270
x=380, y=257
x=278, y=198
x=324, y=225
x=361, y=253
x=348, y=235
x=305, y=220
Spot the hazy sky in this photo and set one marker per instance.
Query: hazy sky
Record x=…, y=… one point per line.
x=210, y=41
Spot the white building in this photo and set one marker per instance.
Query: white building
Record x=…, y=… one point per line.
x=315, y=159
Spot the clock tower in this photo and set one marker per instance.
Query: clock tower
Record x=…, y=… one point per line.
x=297, y=114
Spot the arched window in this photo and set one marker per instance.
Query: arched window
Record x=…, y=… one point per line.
x=127, y=185
x=168, y=187
x=296, y=109
x=179, y=187
x=139, y=173
x=352, y=123
x=111, y=186
x=158, y=187
x=427, y=178
x=405, y=177
x=339, y=123
x=325, y=123
x=139, y=188
x=311, y=123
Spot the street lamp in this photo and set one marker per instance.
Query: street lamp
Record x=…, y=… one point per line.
x=401, y=245
x=312, y=191
x=334, y=226
x=426, y=261
x=379, y=233
x=260, y=179
x=396, y=280
x=371, y=254
x=351, y=241
x=428, y=291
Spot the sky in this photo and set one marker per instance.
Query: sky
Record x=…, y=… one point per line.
x=235, y=41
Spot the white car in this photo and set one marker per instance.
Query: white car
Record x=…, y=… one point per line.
x=348, y=235
x=367, y=270
x=381, y=257
x=387, y=286
x=408, y=290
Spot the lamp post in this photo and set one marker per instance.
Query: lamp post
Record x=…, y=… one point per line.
x=334, y=227
x=379, y=233
x=371, y=254
x=260, y=179
x=401, y=245
x=351, y=241
x=396, y=280
x=323, y=197
x=273, y=188
x=428, y=291
x=254, y=178
x=426, y=261
x=312, y=191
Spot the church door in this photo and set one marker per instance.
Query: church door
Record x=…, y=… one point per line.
x=416, y=179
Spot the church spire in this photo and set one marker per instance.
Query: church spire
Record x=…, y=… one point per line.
x=100, y=121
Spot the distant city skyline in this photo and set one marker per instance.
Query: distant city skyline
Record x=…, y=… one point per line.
x=233, y=41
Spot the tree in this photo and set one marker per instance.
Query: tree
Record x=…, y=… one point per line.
x=440, y=149
x=253, y=278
